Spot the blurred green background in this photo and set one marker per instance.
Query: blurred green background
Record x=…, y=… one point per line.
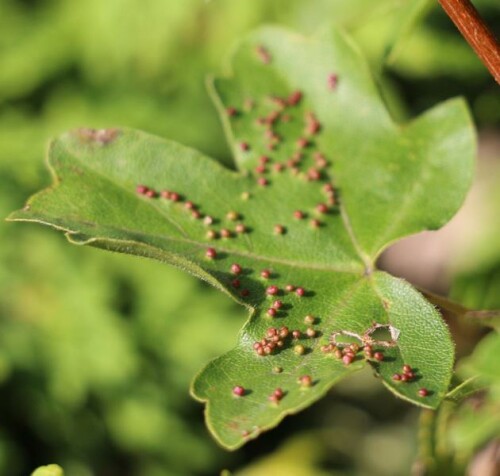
x=93, y=375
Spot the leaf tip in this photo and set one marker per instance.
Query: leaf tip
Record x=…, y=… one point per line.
x=20, y=215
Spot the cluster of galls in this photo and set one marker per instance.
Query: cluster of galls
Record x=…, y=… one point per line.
x=289, y=288
x=348, y=353
x=295, y=161
x=280, y=114
x=312, y=127
x=275, y=338
x=369, y=354
x=166, y=194
x=195, y=212
x=239, y=228
x=172, y=196
x=408, y=375
x=275, y=306
x=272, y=290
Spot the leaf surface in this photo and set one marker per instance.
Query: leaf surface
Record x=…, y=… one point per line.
x=325, y=181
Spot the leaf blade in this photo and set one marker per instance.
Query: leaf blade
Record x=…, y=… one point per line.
x=360, y=180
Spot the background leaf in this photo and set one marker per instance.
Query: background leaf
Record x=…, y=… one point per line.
x=50, y=470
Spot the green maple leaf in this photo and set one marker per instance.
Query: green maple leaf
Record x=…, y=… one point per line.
x=310, y=106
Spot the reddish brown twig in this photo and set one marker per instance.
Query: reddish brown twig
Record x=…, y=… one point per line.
x=476, y=32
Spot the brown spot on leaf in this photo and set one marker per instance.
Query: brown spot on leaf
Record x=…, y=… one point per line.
x=263, y=54
x=332, y=81
x=294, y=98
x=101, y=136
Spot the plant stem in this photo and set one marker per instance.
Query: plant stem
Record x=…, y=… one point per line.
x=476, y=32
x=426, y=428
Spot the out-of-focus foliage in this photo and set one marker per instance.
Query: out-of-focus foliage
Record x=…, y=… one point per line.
x=461, y=429
x=464, y=428
x=477, y=421
x=50, y=470
x=85, y=359
x=85, y=375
